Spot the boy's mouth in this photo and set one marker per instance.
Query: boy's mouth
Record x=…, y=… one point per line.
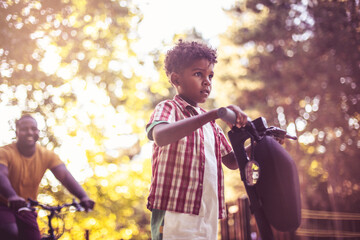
x=205, y=91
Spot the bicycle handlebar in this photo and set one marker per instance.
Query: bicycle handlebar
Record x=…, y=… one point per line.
x=32, y=203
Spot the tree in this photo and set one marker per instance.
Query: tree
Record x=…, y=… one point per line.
x=72, y=64
x=296, y=63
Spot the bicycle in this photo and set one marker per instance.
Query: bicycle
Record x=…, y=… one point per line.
x=54, y=211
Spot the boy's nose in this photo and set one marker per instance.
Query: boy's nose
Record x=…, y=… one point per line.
x=207, y=82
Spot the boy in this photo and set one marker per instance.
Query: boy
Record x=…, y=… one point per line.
x=187, y=189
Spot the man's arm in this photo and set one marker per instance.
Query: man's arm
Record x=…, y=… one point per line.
x=66, y=179
x=5, y=186
x=8, y=191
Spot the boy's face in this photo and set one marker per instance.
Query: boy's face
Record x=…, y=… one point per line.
x=194, y=82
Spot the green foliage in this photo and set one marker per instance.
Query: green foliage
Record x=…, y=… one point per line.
x=297, y=64
x=72, y=64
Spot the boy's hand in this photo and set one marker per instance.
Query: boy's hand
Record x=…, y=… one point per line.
x=280, y=140
x=241, y=117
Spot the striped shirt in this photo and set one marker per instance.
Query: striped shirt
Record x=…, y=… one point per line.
x=178, y=168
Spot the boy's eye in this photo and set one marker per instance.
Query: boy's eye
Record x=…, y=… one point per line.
x=200, y=74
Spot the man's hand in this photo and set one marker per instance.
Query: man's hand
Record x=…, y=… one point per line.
x=16, y=202
x=87, y=204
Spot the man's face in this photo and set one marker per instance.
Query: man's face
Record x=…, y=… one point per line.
x=194, y=82
x=27, y=132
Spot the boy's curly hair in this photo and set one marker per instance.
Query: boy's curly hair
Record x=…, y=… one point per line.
x=185, y=53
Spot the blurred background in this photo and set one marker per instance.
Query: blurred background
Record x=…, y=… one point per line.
x=91, y=72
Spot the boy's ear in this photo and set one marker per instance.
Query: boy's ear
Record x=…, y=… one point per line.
x=174, y=78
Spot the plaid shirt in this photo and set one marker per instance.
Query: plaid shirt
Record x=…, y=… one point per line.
x=178, y=168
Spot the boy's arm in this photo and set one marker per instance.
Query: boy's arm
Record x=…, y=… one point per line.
x=230, y=160
x=166, y=133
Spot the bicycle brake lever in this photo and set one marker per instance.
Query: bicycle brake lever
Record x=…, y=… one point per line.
x=28, y=209
x=78, y=206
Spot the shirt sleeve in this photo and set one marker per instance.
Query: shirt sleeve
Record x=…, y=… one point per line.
x=225, y=147
x=4, y=157
x=164, y=113
x=54, y=160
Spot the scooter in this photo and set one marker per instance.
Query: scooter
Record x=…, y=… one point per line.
x=269, y=174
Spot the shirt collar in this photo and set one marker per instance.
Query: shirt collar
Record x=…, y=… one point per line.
x=184, y=105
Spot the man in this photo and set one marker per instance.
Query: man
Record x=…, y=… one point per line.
x=22, y=166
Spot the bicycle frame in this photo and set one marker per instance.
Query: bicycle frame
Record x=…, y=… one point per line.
x=51, y=235
x=53, y=210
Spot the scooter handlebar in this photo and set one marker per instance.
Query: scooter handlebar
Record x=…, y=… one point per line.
x=227, y=115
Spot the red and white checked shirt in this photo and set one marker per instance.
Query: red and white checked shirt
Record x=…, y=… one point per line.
x=178, y=168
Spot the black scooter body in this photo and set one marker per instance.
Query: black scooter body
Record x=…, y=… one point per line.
x=275, y=198
x=278, y=186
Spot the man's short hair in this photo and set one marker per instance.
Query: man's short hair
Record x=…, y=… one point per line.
x=185, y=53
x=17, y=122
